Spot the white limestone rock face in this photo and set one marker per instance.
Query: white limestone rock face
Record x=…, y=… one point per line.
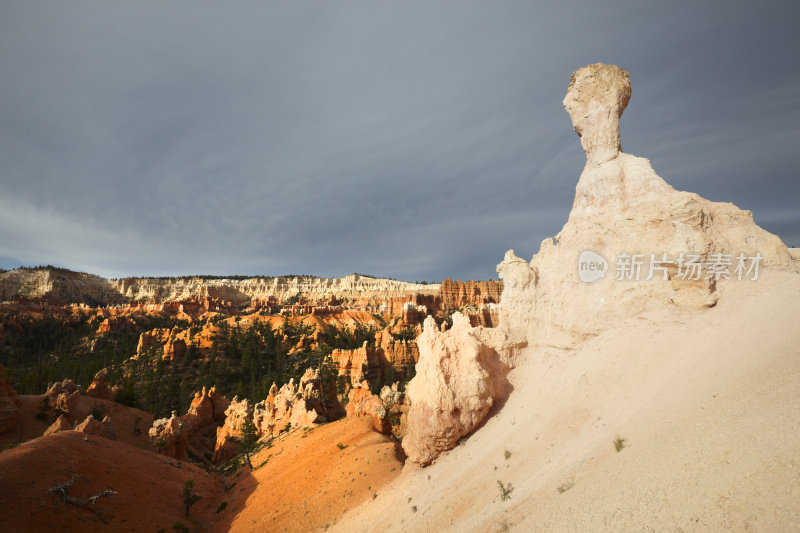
x=460, y=375
x=519, y=296
x=621, y=207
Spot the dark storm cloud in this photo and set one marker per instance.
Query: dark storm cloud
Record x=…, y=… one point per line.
x=411, y=140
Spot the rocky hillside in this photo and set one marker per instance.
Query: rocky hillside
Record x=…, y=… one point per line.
x=58, y=285
x=63, y=286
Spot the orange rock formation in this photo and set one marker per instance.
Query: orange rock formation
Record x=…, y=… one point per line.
x=98, y=388
x=196, y=430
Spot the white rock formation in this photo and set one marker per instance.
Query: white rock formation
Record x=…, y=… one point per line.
x=460, y=375
x=295, y=406
x=621, y=209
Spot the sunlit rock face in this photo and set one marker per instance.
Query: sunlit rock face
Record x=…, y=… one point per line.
x=623, y=208
x=297, y=405
x=596, y=97
x=196, y=429
x=229, y=434
x=640, y=234
x=460, y=375
x=98, y=388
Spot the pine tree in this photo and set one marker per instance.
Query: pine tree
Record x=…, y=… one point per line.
x=247, y=443
x=189, y=497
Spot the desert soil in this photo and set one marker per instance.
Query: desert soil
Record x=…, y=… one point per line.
x=707, y=404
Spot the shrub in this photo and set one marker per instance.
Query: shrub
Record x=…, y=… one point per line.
x=564, y=487
x=619, y=443
x=189, y=497
x=505, y=490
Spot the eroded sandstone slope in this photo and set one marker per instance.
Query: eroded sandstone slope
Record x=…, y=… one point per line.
x=677, y=346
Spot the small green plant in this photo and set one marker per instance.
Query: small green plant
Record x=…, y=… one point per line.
x=564, y=487
x=11, y=445
x=189, y=497
x=340, y=446
x=505, y=490
x=619, y=443
x=222, y=507
x=507, y=454
x=231, y=466
x=414, y=508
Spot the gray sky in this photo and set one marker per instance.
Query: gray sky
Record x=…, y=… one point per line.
x=414, y=140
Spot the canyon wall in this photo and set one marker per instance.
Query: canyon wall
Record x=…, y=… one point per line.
x=62, y=286
x=312, y=289
x=455, y=294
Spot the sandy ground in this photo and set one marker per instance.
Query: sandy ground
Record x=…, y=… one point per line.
x=708, y=405
x=149, y=487
x=306, y=481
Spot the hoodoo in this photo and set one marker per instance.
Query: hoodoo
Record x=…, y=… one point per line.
x=662, y=248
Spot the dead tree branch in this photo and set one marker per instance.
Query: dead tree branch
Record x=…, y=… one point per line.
x=64, y=489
